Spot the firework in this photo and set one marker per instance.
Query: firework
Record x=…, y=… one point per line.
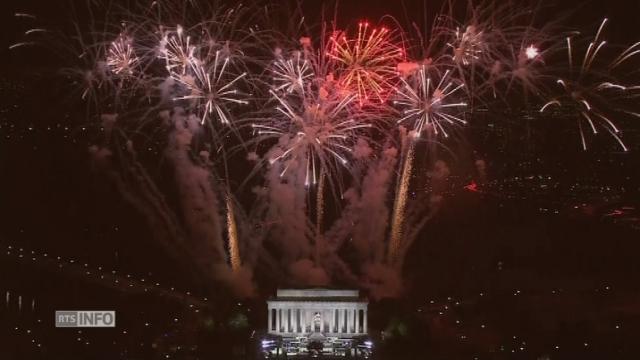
x=210, y=83
x=495, y=45
x=178, y=52
x=121, y=58
x=399, y=206
x=319, y=215
x=468, y=45
x=367, y=63
x=313, y=110
x=525, y=69
x=531, y=52
x=212, y=89
x=595, y=95
x=429, y=100
x=232, y=231
x=292, y=74
x=311, y=117
x=318, y=131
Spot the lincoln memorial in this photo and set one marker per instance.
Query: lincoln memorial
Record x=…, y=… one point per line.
x=333, y=318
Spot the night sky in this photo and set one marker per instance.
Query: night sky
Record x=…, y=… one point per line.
x=536, y=260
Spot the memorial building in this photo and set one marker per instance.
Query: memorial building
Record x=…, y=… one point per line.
x=334, y=321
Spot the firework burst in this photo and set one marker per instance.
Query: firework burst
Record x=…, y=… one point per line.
x=121, y=58
x=430, y=100
x=212, y=89
x=178, y=52
x=317, y=130
x=523, y=68
x=291, y=74
x=367, y=63
x=468, y=45
x=209, y=82
x=591, y=90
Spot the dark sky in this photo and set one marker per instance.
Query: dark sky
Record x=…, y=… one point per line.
x=584, y=12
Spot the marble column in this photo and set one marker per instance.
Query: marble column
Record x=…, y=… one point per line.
x=270, y=321
x=364, y=326
x=284, y=320
x=345, y=315
x=303, y=320
x=306, y=320
x=332, y=321
x=357, y=321
x=295, y=321
x=287, y=329
x=278, y=316
x=354, y=314
x=332, y=316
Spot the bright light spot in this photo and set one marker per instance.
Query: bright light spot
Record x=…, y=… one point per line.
x=532, y=52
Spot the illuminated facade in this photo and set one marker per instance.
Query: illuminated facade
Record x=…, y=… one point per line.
x=335, y=320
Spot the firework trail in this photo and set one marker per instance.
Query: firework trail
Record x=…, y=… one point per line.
x=429, y=100
x=232, y=231
x=319, y=217
x=399, y=206
x=592, y=91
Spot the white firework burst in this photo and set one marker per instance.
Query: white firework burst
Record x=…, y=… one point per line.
x=291, y=74
x=121, y=56
x=467, y=45
x=178, y=51
x=316, y=130
x=593, y=92
x=212, y=88
x=429, y=99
